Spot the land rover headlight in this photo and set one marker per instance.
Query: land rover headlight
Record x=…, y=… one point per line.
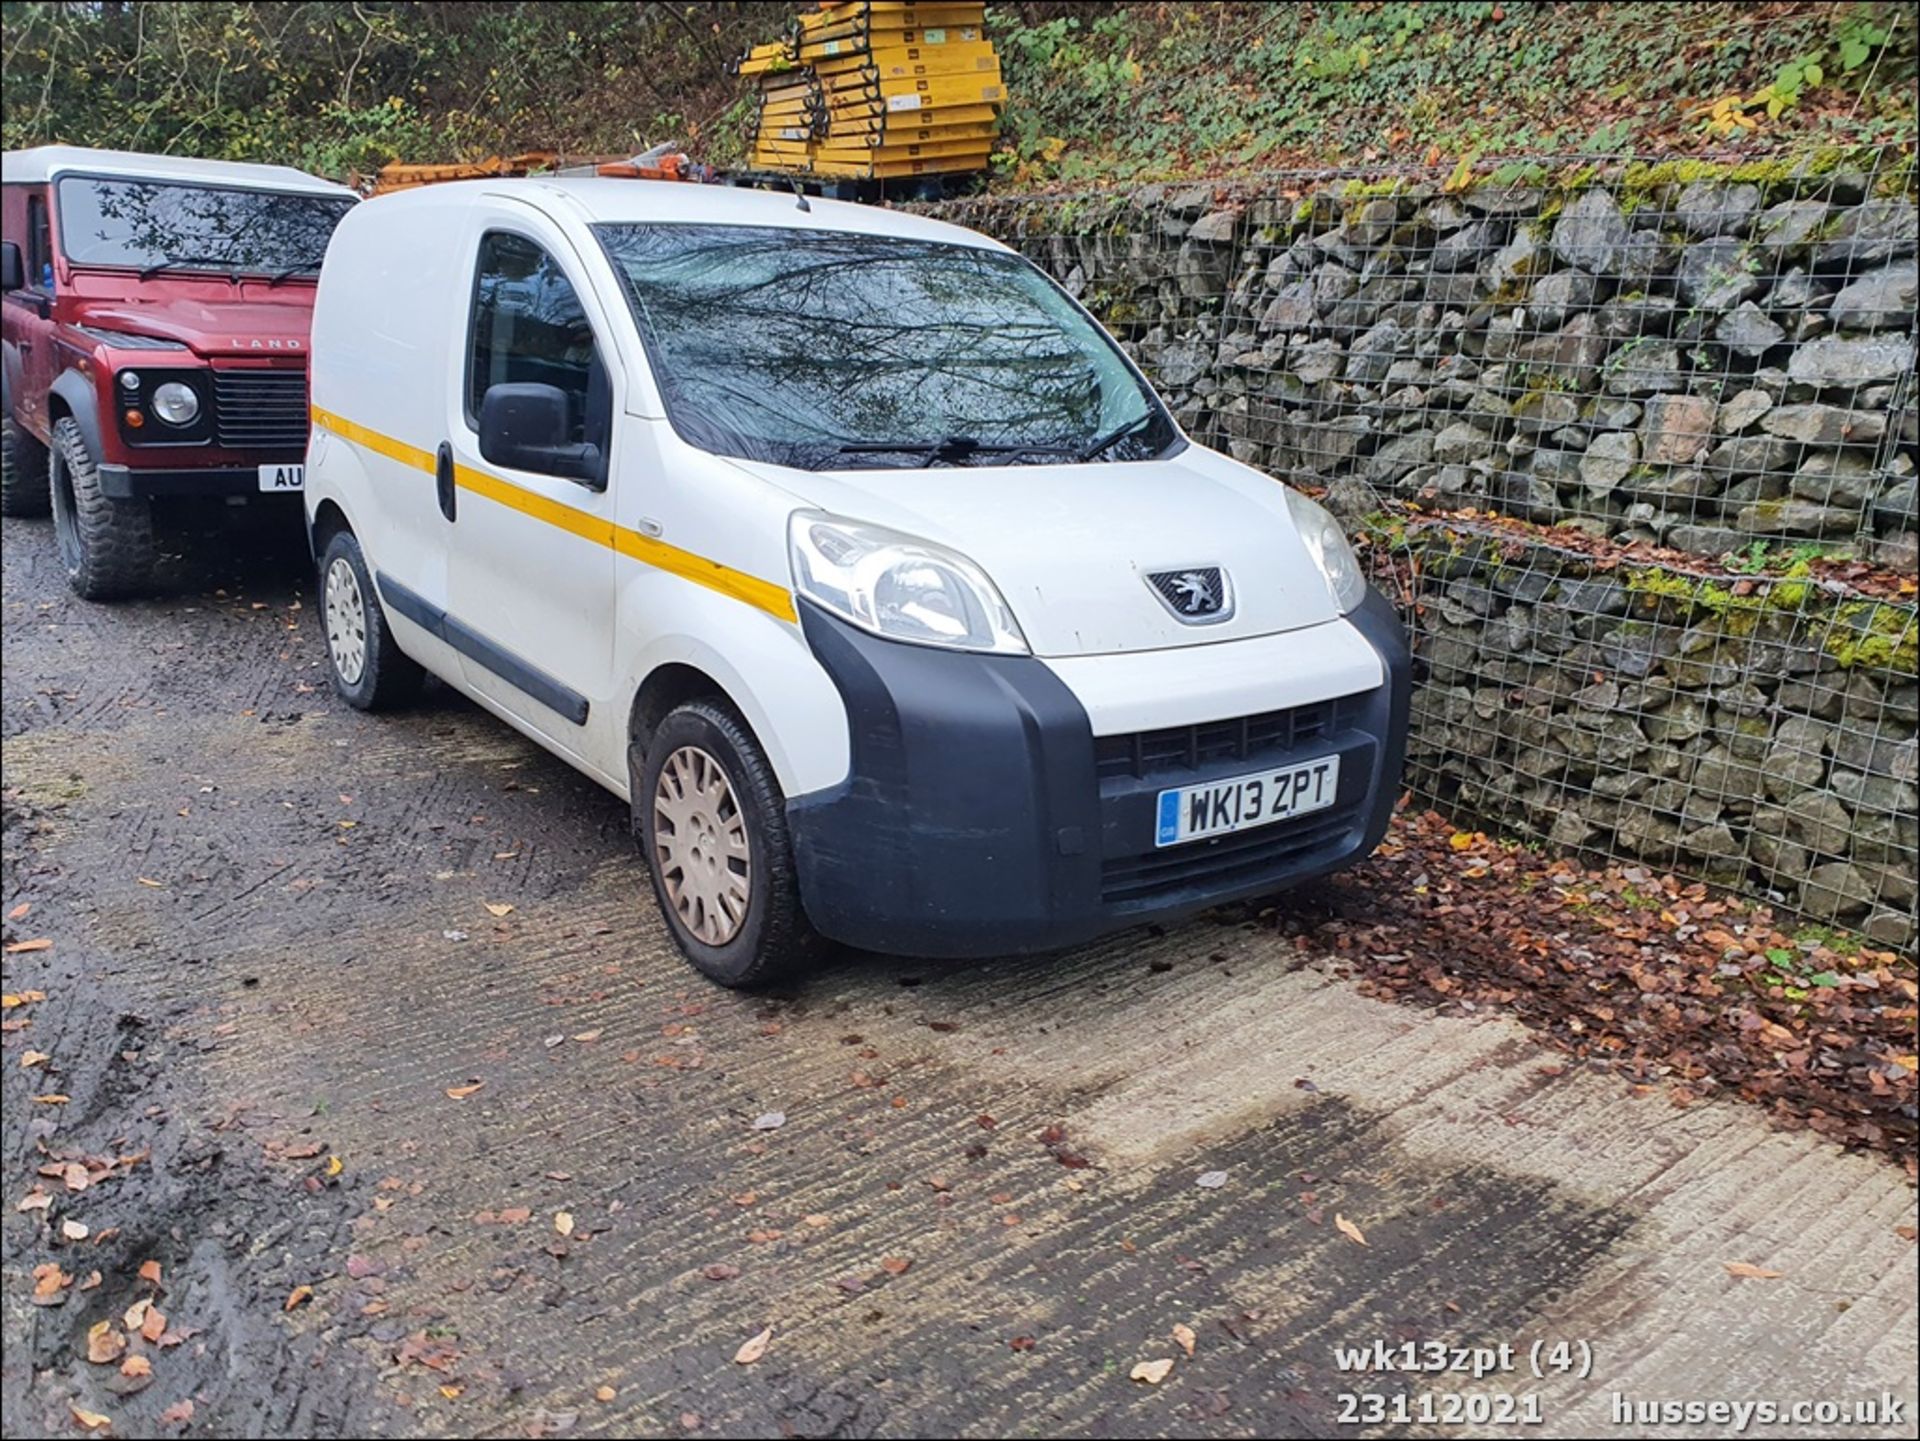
x=1328, y=546
x=175, y=403
x=900, y=587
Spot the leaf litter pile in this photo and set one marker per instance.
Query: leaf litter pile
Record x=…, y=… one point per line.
x=1658, y=978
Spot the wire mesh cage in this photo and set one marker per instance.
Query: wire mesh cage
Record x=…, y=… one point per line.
x=1635, y=446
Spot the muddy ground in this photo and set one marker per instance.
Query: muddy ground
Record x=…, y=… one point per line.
x=370, y=1038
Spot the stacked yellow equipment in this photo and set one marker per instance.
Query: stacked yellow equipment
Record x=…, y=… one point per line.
x=877, y=90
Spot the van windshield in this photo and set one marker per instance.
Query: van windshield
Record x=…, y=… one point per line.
x=153, y=225
x=826, y=350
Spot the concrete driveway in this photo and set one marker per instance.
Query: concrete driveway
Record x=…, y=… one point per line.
x=371, y=1038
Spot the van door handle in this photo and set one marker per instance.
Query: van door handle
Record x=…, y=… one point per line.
x=443, y=479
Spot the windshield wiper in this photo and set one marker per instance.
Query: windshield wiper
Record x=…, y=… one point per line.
x=948, y=448
x=293, y=270
x=1114, y=437
x=233, y=276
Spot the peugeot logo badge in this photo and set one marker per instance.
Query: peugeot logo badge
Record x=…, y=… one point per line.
x=1197, y=594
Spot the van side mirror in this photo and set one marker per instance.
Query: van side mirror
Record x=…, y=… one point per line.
x=526, y=425
x=12, y=273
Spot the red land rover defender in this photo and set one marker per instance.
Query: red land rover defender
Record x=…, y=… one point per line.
x=155, y=341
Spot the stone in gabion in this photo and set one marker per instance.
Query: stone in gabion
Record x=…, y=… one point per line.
x=1878, y=300
x=1878, y=231
x=1790, y=226
x=1748, y=331
x=1718, y=274
x=1590, y=232
x=1836, y=361
x=1706, y=208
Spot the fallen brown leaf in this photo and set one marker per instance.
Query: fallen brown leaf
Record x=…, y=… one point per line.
x=563, y=1222
x=104, y=1344
x=1751, y=1271
x=460, y=1093
x=154, y=1327
x=92, y=1420
x=296, y=1296
x=178, y=1414
x=1183, y=1334
x=753, y=1348
x=604, y=1393
x=1346, y=1228
x=40, y=943
x=1152, y=1372
x=136, y=1366
x=896, y=1265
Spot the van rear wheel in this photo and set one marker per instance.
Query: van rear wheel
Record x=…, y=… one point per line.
x=106, y=545
x=713, y=825
x=367, y=668
x=23, y=471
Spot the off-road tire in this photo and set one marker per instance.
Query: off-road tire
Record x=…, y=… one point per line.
x=24, y=489
x=106, y=545
x=776, y=937
x=388, y=677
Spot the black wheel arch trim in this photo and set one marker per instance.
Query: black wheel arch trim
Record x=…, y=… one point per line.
x=530, y=680
x=83, y=404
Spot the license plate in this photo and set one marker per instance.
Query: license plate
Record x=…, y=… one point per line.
x=1219, y=808
x=283, y=477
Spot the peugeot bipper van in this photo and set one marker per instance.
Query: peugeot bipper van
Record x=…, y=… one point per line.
x=850, y=551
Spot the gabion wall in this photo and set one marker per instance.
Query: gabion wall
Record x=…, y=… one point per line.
x=1711, y=359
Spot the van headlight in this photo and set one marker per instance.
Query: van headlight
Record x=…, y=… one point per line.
x=175, y=403
x=1328, y=546
x=899, y=587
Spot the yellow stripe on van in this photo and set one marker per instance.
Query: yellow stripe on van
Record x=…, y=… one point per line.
x=764, y=595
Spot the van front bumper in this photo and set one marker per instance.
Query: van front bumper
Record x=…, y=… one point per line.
x=982, y=817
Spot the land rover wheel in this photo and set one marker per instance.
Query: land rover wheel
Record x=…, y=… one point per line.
x=368, y=669
x=713, y=824
x=23, y=471
x=106, y=545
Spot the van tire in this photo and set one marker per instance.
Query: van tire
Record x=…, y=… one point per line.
x=24, y=488
x=106, y=545
x=387, y=678
x=775, y=936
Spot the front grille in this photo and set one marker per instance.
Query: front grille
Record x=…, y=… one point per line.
x=1145, y=753
x=260, y=409
x=1221, y=863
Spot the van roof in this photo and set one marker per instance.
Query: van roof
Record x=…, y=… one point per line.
x=626, y=201
x=47, y=162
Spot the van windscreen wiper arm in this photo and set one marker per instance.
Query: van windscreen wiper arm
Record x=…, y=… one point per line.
x=948, y=447
x=1113, y=437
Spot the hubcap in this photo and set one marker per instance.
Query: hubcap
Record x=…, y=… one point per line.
x=346, y=622
x=700, y=846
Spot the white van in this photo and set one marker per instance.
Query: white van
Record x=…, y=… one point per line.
x=851, y=551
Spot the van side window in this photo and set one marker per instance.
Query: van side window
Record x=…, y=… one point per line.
x=39, y=245
x=527, y=325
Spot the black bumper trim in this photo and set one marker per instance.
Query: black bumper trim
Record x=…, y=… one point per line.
x=126, y=482
x=530, y=680
x=974, y=823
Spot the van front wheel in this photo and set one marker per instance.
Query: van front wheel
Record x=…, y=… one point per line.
x=713, y=824
x=366, y=666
